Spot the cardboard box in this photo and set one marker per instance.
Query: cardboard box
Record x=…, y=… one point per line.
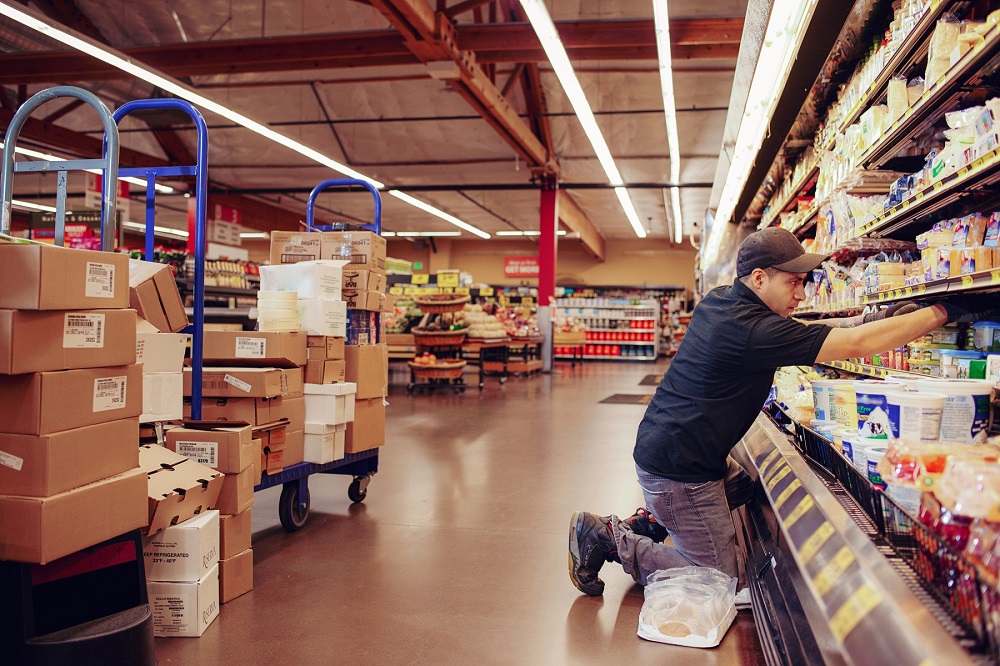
x=295, y=448
x=42, y=341
x=258, y=446
x=255, y=411
x=272, y=461
x=236, y=495
x=178, y=488
x=162, y=397
x=153, y=294
x=324, y=348
x=292, y=382
x=40, y=530
x=323, y=318
x=184, y=609
x=236, y=576
x=289, y=247
x=324, y=443
x=235, y=532
x=388, y=303
x=185, y=552
x=291, y=409
x=227, y=449
x=367, y=249
x=330, y=403
x=368, y=367
x=46, y=465
x=326, y=372
x=47, y=277
x=237, y=382
x=254, y=348
x=47, y=402
x=364, y=280
x=272, y=436
x=367, y=431
x=159, y=352
x=321, y=279
x=364, y=300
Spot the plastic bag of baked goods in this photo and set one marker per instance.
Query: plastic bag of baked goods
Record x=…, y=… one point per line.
x=691, y=606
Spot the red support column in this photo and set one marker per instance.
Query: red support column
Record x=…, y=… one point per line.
x=548, y=225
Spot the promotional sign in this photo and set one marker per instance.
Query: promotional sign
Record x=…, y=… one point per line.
x=520, y=267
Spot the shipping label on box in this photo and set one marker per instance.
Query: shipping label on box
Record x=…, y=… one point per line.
x=40, y=530
x=235, y=531
x=367, y=249
x=46, y=465
x=227, y=449
x=183, y=552
x=234, y=382
x=236, y=495
x=39, y=403
x=236, y=576
x=184, y=609
x=46, y=277
x=290, y=247
x=178, y=487
x=44, y=341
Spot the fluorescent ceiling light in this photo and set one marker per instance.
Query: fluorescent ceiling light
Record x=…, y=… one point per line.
x=175, y=87
x=255, y=234
x=661, y=19
x=781, y=41
x=27, y=152
x=167, y=231
x=540, y=20
x=33, y=206
x=402, y=234
x=561, y=232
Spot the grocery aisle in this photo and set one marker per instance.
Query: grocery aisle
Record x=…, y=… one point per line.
x=458, y=555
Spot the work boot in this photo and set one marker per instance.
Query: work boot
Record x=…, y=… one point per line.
x=591, y=544
x=644, y=524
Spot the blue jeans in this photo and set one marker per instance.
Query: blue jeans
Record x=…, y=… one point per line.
x=698, y=518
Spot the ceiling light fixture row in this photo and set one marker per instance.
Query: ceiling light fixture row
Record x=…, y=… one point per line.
x=545, y=29
x=661, y=20
x=27, y=152
x=51, y=29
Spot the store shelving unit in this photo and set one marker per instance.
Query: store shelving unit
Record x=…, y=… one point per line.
x=877, y=371
x=629, y=328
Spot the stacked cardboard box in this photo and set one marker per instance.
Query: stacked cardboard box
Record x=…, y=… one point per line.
x=230, y=449
x=72, y=395
x=257, y=378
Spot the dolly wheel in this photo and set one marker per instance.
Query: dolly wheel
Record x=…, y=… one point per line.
x=291, y=513
x=358, y=489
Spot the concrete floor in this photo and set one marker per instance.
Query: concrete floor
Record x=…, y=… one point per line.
x=458, y=555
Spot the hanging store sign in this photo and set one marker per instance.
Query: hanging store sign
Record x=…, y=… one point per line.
x=520, y=266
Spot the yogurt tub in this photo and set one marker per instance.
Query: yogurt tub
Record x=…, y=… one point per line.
x=874, y=455
x=965, y=418
x=845, y=408
x=873, y=408
x=860, y=452
x=915, y=417
x=986, y=336
x=908, y=382
x=823, y=401
x=848, y=436
x=823, y=428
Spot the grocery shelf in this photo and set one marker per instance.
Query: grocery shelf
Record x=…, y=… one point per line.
x=623, y=343
x=233, y=313
x=981, y=281
x=912, y=50
x=877, y=371
x=621, y=330
x=980, y=173
x=187, y=287
x=955, y=84
x=804, y=183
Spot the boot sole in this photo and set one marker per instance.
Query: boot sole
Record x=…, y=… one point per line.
x=574, y=558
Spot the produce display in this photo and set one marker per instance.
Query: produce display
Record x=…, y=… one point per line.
x=482, y=324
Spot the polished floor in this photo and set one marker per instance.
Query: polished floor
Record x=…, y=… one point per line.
x=458, y=554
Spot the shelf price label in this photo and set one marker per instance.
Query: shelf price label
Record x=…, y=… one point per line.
x=921, y=289
x=447, y=280
x=486, y=291
x=420, y=278
x=462, y=290
x=907, y=292
x=967, y=281
x=995, y=276
x=938, y=185
x=396, y=290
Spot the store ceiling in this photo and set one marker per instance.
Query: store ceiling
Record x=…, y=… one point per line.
x=339, y=76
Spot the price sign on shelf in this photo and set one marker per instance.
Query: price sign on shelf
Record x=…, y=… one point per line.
x=967, y=281
x=486, y=291
x=396, y=290
x=420, y=278
x=995, y=276
x=908, y=292
x=447, y=279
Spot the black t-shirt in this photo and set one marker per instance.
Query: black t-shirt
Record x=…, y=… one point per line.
x=718, y=382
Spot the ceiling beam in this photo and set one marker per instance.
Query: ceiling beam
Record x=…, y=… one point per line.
x=492, y=43
x=573, y=217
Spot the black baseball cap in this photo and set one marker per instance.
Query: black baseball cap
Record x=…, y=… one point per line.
x=775, y=247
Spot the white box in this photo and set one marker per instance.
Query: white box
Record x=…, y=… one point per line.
x=159, y=352
x=318, y=279
x=183, y=552
x=324, y=443
x=162, y=396
x=331, y=404
x=320, y=317
x=184, y=609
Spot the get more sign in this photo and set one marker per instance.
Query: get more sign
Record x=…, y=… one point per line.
x=520, y=266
